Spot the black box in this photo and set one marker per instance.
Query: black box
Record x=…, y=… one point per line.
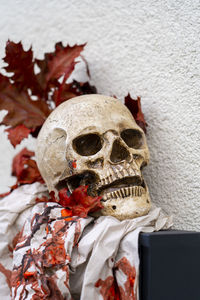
x=169, y=265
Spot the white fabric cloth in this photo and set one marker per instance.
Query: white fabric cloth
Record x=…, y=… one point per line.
x=58, y=257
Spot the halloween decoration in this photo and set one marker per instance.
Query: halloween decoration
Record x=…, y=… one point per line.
x=90, y=153
x=94, y=140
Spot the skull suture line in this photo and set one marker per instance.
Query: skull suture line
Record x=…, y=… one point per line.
x=109, y=148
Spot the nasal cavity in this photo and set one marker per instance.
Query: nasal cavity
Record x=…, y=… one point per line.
x=119, y=152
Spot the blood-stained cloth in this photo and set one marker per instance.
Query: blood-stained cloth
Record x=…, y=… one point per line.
x=45, y=254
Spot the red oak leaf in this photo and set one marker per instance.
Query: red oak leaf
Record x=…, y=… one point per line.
x=17, y=134
x=30, y=173
x=25, y=168
x=79, y=202
x=58, y=63
x=63, y=93
x=135, y=108
x=21, y=64
x=81, y=197
x=62, y=62
x=21, y=109
x=26, y=171
x=18, y=161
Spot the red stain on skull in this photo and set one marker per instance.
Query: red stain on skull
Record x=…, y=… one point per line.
x=74, y=164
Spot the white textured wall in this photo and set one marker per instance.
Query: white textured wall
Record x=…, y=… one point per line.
x=149, y=48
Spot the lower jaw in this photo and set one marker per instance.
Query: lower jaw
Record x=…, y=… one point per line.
x=128, y=208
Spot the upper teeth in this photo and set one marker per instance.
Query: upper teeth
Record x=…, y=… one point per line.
x=116, y=172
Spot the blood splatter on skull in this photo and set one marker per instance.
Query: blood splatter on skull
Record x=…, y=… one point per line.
x=94, y=140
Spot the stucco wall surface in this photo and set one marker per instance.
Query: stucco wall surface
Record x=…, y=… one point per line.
x=148, y=48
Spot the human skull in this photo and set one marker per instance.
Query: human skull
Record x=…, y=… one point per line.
x=94, y=140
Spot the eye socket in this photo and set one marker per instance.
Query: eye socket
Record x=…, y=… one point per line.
x=133, y=138
x=88, y=144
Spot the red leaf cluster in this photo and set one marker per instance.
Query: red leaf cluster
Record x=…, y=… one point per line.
x=135, y=108
x=25, y=168
x=17, y=134
x=21, y=64
x=79, y=203
x=26, y=114
x=29, y=98
x=21, y=109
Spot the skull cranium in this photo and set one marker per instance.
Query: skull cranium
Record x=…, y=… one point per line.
x=94, y=140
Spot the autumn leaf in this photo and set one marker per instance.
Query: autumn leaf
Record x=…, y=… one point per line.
x=26, y=171
x=30, y=173
x=17, y=134
x=58, y=63
x=55, y=64
x=62, y=61
x=21, y=109
x=81, y=197
x=25, y=168
x=78, y=202
x=21, y=64
x=135, y=108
